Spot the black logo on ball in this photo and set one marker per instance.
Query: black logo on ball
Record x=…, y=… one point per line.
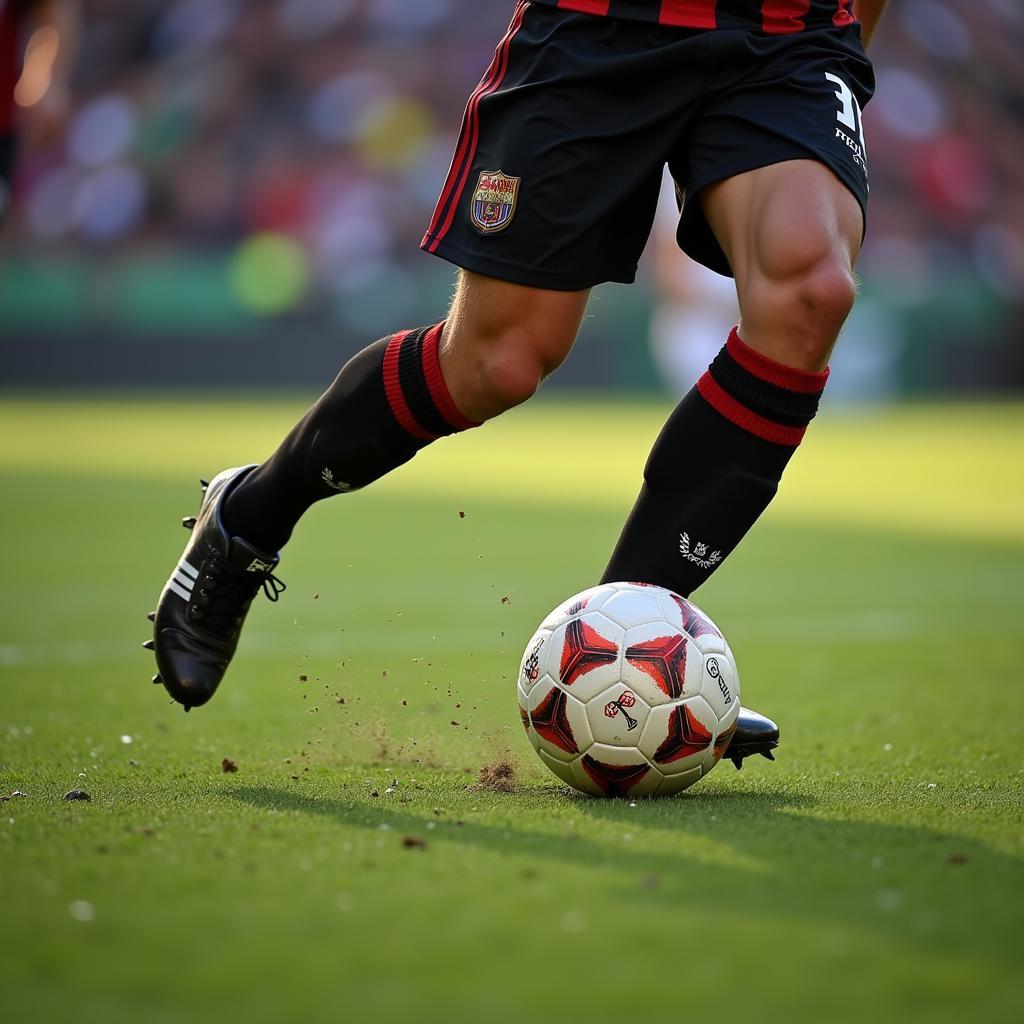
x=715, y=671
x=615, y=707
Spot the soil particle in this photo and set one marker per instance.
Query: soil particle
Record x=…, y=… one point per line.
x=414, y=843
x=303, y=679
x=462, y=515
x=77, y=794
x=228, y=766
x=499, y=777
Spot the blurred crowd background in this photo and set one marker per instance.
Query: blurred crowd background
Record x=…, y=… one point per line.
x=239, y=191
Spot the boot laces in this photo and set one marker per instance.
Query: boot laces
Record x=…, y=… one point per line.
x=224, y=592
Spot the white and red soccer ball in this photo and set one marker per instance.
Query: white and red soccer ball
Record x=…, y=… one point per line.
x=629, y=690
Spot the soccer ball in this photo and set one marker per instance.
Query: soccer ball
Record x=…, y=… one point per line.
x=629, y=690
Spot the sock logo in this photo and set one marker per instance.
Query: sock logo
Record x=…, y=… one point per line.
x=335, y=485
x=699, y=553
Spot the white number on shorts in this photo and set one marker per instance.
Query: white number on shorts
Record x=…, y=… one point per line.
x=849, y=110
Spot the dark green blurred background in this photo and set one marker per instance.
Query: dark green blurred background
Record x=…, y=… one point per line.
x=238, y=196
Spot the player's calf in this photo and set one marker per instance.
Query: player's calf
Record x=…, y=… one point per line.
x=387, y=403
x=402, y=393
x=391, y=400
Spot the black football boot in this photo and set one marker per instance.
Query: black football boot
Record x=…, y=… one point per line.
x=754, y=734
x=203, y=605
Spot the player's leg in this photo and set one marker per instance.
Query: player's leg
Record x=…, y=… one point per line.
x=391, y=400
x=792, y=232
x=401, y=393
x=551, y=191
x=775, y=170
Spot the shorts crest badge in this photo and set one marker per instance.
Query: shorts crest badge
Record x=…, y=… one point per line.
x=494, y=201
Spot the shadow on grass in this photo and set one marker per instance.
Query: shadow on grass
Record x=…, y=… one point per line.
x=761, y=855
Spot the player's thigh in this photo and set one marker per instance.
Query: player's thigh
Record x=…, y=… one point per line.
x=488, y=314
x=791, y=232
x=783, y=222
x=777, y=154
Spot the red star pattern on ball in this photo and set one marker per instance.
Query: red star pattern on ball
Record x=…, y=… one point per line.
x=686, y=736
x=693, y=622
x=614, y=779
x=551, y=720
x=722, y=741
x=664, y=660
x=584, y=650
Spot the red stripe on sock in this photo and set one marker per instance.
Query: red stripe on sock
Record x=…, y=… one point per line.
x=393, y=390
x=735, y=412
x=435, y=381
x=768, y=370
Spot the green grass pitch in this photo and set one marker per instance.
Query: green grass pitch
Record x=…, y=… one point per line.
x=353, y=869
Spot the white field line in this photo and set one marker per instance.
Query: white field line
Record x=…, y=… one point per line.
x=875, y=626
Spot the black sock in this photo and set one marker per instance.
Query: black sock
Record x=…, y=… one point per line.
x=388, y=402
x=714, y=468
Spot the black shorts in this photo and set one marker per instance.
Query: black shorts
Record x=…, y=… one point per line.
x=6, y=170
x=556, y=175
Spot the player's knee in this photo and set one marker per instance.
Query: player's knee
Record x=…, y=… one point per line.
x=807, y=301
x=826, y=292
x=509, y=369
x=496, y=366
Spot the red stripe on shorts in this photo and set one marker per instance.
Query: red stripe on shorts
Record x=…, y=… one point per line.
x=467, y=150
